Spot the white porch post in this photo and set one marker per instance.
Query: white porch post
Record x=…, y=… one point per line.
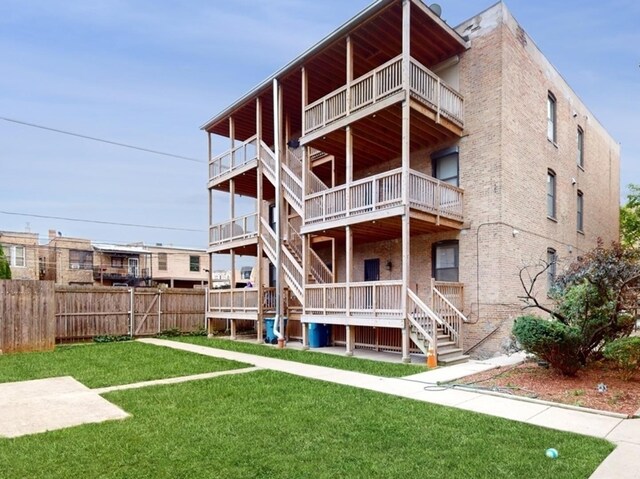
x=259, y=195
x=350, y=330
x=406, y=161
x=277, y=142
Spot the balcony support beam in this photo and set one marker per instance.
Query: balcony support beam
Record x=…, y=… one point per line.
x=406, y=163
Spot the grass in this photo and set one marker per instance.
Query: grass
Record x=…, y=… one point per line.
x=367, y=366
x=267, y=424
x=109, y=364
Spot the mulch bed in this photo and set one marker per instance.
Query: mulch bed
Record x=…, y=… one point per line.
x=530, y=380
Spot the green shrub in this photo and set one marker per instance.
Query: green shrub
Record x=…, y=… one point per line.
x=626, y=353
x=5, y=269
x=175, y=332
x=551, y=340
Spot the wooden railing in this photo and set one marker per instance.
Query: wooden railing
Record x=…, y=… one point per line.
x=363, y=91
x=292, y=186
x=293, y=273
x=234, y=300
x=268, y=158
x=320, y=271
x=434, y=196
x=235, y=229
x=439, y=96
x=451, y=317
x=384, y=191
x=424, y=322
x=454, y=292
x=380, y=299
x=374, y=86
x=370, y=194
x=269, y=240
x=233, y=159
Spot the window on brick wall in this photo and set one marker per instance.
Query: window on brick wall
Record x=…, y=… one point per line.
x=194, y=264
x=551, y=117
x=580, y=141
x=16, y=255
x=79, y=259
x=551, y=194
x=552, y=261
x=446, y=165
x=117, y=262
x=162, y=261
x=445, y=260
x=580, y=211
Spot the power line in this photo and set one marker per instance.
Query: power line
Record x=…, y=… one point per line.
x=112, y=223
x=102, y=140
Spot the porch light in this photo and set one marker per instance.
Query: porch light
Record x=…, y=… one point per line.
x=388, y=266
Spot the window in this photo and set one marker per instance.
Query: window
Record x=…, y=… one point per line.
x=551, y=194
x=445, y=261
x=117, y=262
x=580, y=211
x=162, y=261
x=79, y=259
x=580, y=148
x=194, y=264
x=15, y=255
x=445, y=166
x=552, y=260
x=551, y=117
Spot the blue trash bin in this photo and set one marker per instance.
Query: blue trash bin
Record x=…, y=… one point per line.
x=318, y=335
x=270, y=337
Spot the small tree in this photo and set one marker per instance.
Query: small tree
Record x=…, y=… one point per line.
x=5, y=269
x=594, y=298
x=630, y=217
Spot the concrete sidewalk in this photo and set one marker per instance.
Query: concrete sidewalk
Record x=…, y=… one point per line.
x=623, y=463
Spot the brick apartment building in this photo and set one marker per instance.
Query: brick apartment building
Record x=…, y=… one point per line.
x=22, y=252
x=404, y=171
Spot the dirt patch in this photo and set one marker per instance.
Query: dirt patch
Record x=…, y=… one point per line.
x=530, y=380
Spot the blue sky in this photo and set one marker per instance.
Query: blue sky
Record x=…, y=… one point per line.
x=149, y=73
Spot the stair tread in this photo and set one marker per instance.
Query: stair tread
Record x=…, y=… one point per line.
x=454, y=360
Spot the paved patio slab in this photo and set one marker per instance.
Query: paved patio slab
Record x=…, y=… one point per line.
x=30, y=407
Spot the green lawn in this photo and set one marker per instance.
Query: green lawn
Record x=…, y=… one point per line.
x=109, y=364
x=272, y=425
x=377, y=368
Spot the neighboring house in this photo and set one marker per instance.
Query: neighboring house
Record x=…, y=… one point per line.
x=70, y=260
x=404, y=173
x=22, y=252
x=122, y=265
x=178, y=267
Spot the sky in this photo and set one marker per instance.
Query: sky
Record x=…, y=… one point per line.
x=150, y=73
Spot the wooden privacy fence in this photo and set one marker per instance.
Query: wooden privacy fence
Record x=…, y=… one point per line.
x=27, y=316
x=82, y=313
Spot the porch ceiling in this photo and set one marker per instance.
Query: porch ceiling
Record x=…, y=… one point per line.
x=246, y=185
x=375, y=40
x=387, y=229
x=378, y=139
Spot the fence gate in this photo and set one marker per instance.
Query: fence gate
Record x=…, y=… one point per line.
x=147, y=312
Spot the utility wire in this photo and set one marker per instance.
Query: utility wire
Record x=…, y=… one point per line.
x=124, y=145
x=113, y=223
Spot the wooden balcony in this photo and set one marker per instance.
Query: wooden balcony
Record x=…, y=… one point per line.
x=374, y=303
x=240, y=303
x=234, y=233
x=234, y=161
x=380, y=88
x=381, y=195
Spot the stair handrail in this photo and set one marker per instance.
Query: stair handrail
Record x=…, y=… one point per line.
x=433, y=317
x=269, y=161
x=320, y=271
x=454, y=330
x=296, y=197
x=270, y=238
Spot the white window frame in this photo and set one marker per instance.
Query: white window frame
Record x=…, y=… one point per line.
x=10, y=252
x=552, y=116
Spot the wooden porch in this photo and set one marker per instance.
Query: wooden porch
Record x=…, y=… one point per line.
x=380, y=197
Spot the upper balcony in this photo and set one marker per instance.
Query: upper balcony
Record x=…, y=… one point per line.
x=381, y=88
x=380, y=196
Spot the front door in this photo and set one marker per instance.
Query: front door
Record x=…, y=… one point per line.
x=133, y=267
x=371, y=273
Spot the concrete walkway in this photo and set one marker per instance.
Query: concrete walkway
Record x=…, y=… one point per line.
x=623, y=463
